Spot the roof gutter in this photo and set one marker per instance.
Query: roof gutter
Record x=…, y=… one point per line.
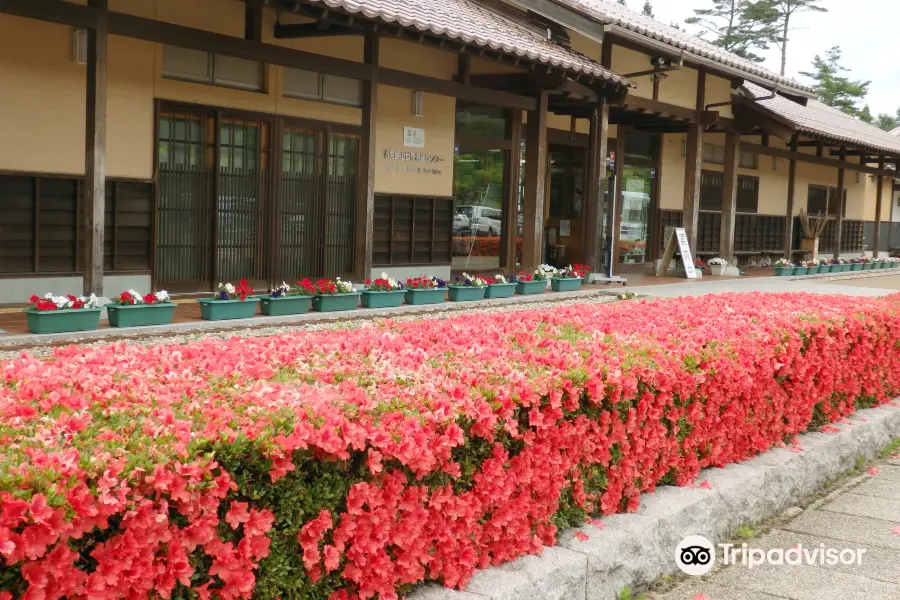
x=644, y=40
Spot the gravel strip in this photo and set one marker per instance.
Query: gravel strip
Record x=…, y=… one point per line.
x=438, y=311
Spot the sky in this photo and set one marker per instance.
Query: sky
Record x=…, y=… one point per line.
x=868, y=32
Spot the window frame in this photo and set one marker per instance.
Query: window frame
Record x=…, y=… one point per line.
x=211, y=78
x=321, y=96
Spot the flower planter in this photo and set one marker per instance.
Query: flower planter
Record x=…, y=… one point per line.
x=500, y=290
x=883, y=265
x=527, y=288
x=140, y=315
x=812, y=271
x=856, y=267
x=285, y=305
x=846, y=267
x=335, y=302
x=867, y=266
x=62, y=321
x=224, y=310
x=376, y=299
x=426, y=296
x=784, y=271
x=801, y=270
x=567, y=284
x=465, y=293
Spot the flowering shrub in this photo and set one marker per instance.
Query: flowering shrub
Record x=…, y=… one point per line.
x=347, y=467
x=327, y=287
x=303, y=288
x=383, y=284
x=425, y=282
x=131, y=297
x=51, y=302
x=228, y=291
x=470, y=281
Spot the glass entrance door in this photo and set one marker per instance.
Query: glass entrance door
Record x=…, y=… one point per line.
x=637, y=200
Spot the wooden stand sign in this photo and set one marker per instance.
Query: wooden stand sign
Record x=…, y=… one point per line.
x=677, y=239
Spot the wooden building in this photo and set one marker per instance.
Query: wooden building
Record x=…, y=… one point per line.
x=172, y=145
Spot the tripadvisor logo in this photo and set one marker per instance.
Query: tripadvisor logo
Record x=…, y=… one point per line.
x=696, y=556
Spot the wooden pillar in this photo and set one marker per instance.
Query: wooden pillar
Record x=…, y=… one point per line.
x=730, y=191
x=597, y=152
x=535, y=179
x=791, y=199
x=879, y=193
x=511, y=200
x=365, y=202
x=95, y=151
x=693, y=165
x=839, y=211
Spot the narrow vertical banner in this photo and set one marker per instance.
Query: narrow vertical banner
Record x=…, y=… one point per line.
x=509, y=250
x=730, y=191
x=879, y=201
x=535, y=180
x=95, y=150
x=839, y=209
x=365, y=206
x=693, y=164
x=791, y=199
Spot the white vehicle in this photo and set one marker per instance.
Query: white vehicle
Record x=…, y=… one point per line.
x=477, y=220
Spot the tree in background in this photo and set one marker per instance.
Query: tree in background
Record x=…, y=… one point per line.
x=786, y=10
x=742, y=27
x=887, y=122
x=835, y=89
x=648, y=9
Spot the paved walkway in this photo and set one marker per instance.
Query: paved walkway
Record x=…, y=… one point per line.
x=864, y=513
x=871, y=286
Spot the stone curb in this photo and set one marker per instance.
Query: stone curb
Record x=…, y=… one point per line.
x=360, y=314
x=636, y=549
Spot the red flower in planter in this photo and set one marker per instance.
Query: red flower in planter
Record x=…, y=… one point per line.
x=243, y=289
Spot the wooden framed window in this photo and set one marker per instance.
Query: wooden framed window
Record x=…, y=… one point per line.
x=712, y=186
x=310, y=85
x=198, y=66
x=747, y=195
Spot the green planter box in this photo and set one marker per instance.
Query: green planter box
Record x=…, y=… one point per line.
x=894, y=265
x=335, y=302
x=867, y=266
x=224, y=310
x=140, y=315
x=62, y=321
x=827, y=269
x=465, y=293
x=527, y=288
x=883, y=265
x=812, y=271
x=856, y=266
x=569, y=284
x=784, y=271
x=801, y=270
x=426, y=296
x=846, y=267
x=373, y=299
x=500, y=290
x=285, y=305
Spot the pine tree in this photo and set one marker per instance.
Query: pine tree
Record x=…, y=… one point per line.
x=648, y=9
x=835, y=89
x=887, y=122
x=786, y=10
x=739, y=26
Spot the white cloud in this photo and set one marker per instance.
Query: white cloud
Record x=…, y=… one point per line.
x=866, y=31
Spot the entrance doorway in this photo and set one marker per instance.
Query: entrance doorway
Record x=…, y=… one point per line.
x=638, y=202
x=564, y=224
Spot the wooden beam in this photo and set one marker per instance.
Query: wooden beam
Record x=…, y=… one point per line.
x=763, y=119
x=730, y=191
x=815, y=159
x=253, y=22
x=95, y=150
x=535, y=179
x=64, y=13
x=365, y=202
x=693, y=165
x=566, y=17
x=596, y=181
x=878, y=202
x=839, y=220
x=509, y=254
x=791, y=201
x=309, y=30
x=646, y=105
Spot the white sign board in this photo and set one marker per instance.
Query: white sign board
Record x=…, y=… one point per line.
x=413, y=137
x=565, y=228
x=686, y=258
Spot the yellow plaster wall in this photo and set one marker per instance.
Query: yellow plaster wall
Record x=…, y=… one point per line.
x=671, y=184
x=624, y=61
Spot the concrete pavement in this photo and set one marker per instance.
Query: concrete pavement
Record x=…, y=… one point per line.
x=868, y=287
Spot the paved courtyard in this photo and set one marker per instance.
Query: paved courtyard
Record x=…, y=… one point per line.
x=862, y=514
x=862, y=285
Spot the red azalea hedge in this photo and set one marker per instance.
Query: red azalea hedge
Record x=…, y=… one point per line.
x=354, y=464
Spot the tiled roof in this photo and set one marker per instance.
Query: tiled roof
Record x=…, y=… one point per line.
x=610, y=12
x=474, y=24
x=896, y=131
x=821, y=120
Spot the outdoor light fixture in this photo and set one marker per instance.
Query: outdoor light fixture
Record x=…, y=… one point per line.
x=79, y=46
x=418, y=104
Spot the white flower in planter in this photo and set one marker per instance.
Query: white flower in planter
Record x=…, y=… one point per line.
x=718, y=262
x=343, y=287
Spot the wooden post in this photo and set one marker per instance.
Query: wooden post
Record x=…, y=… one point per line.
x=95, y=151
x=792, y=192
x=693, y=165
x=535, y=178
x=511, y=202
x=839, y=219
x=730, y=191
x=879, y=193
x=597, y=152
x=365, y=204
